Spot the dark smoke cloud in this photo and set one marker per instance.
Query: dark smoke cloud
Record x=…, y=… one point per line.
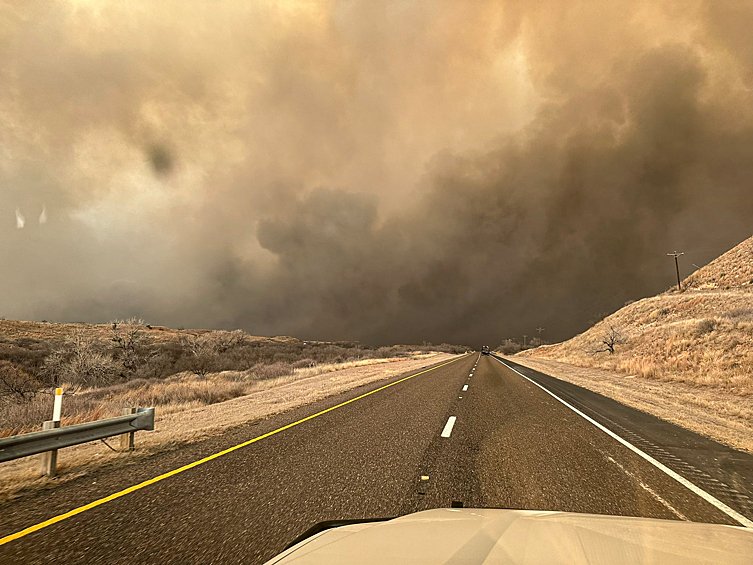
x=161, y=159
x=380, y=171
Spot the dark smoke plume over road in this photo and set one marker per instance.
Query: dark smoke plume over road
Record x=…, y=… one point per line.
x=382, y=171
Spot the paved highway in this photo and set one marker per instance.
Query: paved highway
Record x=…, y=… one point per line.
x=475, y=432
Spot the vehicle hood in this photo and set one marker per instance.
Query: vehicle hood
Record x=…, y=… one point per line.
x=483, y=536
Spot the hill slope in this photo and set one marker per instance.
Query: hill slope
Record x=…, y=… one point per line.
x=702, y=336
x=686, y=357
x=58, y=332
x=732, y=270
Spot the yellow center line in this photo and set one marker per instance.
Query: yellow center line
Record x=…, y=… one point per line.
x=99, y=502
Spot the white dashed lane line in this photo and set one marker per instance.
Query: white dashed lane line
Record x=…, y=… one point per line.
x=448, y=426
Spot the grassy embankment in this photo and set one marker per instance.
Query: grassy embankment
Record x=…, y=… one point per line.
x=686, y=356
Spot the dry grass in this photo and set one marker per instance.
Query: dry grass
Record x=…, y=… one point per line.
x=172, y=394
x=189, y=418
x=57, y=332
x=734, y=269
x=702, y=338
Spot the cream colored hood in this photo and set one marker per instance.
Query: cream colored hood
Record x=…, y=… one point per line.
x=522, y=537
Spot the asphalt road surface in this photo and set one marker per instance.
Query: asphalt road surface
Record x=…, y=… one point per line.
x=474, y=432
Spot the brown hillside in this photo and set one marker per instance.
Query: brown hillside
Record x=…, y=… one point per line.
x=57, y=332
x=734, y=269
x=702, y=336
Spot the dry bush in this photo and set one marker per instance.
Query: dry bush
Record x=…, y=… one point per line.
x=129, y=342
x=23, y=417
x=206, y=348
x=741, y=314
x=104, y=402
x=81, y=361
x=704, y=326
x=180, y=391
x=387, y=352
x=222, y=341
x=509, y=348
x=442, y=348
x=303, y=363
x=25, y=354
x=16, y=385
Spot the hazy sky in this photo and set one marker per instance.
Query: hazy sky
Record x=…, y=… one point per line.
x=382, y=171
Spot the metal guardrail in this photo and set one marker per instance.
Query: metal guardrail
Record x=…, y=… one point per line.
x=34, y=443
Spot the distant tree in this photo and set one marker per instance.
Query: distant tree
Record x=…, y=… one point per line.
x=609, y=340
x=509, y=347
x=129, y=342
x=205, y=348
x=221, y=341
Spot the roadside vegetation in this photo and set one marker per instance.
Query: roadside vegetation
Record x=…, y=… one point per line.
x=128, y=363
x=509, y=347
x=702, y=336
x=695, y=338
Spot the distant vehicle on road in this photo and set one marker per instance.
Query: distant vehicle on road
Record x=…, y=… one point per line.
x=485, y=350
x=484, y=536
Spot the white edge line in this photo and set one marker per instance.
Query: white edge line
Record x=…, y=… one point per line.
x=448, y=426
x=679, y=478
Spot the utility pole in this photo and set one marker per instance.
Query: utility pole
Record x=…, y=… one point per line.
x=540, y=330
x=524, y=340
x=677, y=267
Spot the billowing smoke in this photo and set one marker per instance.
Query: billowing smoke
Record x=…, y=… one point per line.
x=382, y=171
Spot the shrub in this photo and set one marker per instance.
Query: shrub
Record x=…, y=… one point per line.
x=301, y=363
x=129, y=342
x=741, y=314
x=16, y=385
x=705, y=326
x=509, y=348
x=80, y=361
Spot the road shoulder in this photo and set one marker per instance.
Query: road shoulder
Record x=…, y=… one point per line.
x=722, y=417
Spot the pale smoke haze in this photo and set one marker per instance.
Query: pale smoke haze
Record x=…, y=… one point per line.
x=383, y=171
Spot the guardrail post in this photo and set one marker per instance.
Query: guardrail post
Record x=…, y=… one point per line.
x=127, y=440
x=50, y=458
